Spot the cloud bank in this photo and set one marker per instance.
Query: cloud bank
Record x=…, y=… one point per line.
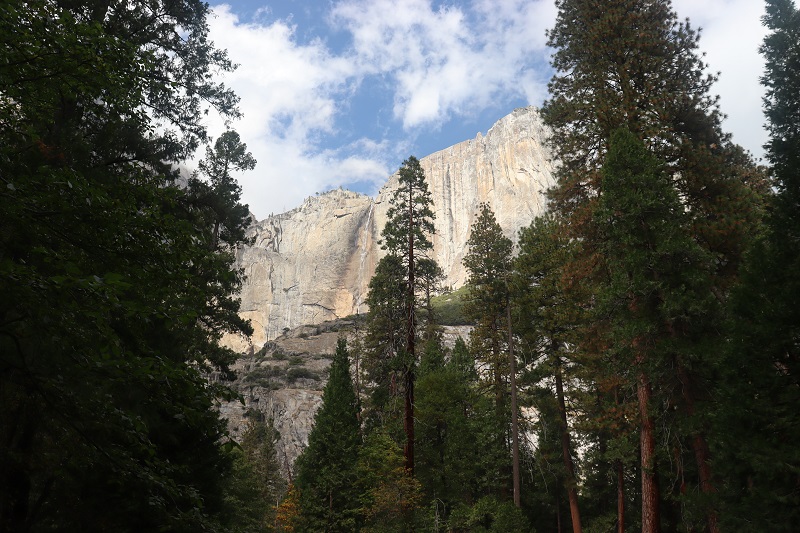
x=379, y=79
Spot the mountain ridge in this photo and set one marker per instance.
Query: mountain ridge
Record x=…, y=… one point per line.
x=313, y=263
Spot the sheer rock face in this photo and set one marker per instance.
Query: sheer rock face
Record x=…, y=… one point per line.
x=314, y=263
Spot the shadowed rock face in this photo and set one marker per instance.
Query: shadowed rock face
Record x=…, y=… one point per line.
x=314, y=263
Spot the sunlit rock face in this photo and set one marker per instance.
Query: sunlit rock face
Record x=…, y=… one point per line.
x=314, y=263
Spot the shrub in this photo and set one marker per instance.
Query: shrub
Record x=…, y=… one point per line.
x=300, y=373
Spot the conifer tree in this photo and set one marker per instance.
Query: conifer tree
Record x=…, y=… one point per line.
x=489, y=265
x=657, y=299
x=758, y=412
x=384, y=338
x=406, y=236
x=545, y=326
x=631, y=64
x=255, y=486
x=326, y=470
x=219, y=196
x=112, y=301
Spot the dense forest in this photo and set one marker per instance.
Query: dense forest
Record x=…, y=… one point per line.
x=633, y=357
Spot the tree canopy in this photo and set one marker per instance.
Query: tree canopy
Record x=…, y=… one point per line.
x=113, y=302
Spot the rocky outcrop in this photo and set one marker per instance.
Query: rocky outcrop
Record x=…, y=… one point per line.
x=283, y=383
x=314, y=263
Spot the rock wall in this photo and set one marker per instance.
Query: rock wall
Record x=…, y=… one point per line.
x=314, y=263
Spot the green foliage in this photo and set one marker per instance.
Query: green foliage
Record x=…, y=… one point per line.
x=757, y=410
x=326, y=470
x=410, y=217
x=546, y=321
x=389, y=495
x=657, y=300
x=113, y=302
x=489, y=515
x=384, y=341
x=218, y=198
x=459, y=454
x=293, y=374
x=404, y=283
x=263, y=375
x=255, y=486
x=488, y=264
x=658, y=277
x=634, y=65
x=647, y=269
x=487, y=304
x=449, y=308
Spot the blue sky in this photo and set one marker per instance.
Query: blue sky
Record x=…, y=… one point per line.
x=339, y=92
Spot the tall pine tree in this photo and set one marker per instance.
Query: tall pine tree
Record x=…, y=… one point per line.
x=112, y=300
x=488, y=302
x=326, y=470
x=630, y=64
x=545, y=325
x=657, y=297
x=406, y=236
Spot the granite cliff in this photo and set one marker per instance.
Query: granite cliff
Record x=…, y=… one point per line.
x=314, y=262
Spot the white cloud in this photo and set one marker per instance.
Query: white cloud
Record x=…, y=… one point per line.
x=436, y=65
x=448, y=61
x=731, y=35
x=290, y=96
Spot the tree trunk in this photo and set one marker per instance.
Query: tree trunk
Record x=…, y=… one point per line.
x=215, y=236
x=514, y=421
x=651, y=519
x=572, y=491
x=620, y=497
x=408, y=422
x=702, y=454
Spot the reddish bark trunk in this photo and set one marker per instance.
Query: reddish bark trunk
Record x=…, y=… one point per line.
x=572, y=491
x=651, y=519
x=702, y=454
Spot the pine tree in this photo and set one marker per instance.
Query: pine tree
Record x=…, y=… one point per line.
x=545, y=327
x=384, y=339
x=219, y=196
x=406, y=236
x=757, y=418
x=326, y=470
x=255, y=486
x=112, y=301
x=632, y=65
x=657, y=299
x=489, y=266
